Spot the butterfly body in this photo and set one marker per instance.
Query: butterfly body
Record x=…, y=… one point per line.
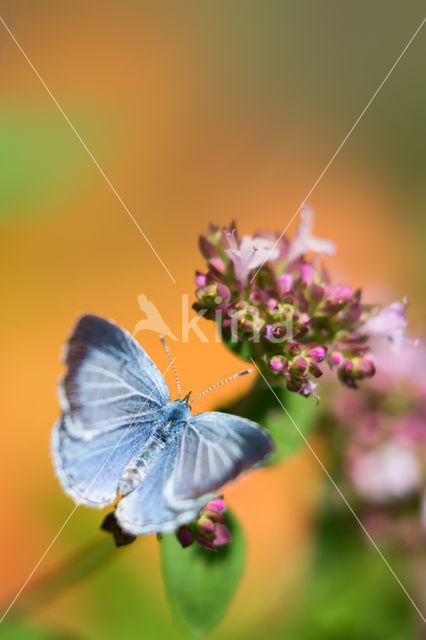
x=170, y=424
x=121, y=436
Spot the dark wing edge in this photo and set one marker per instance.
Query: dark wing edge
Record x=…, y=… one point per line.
x=102, y=356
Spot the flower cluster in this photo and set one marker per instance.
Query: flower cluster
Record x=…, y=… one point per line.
x=274, y=302
x=384, y=429
x=209, y=530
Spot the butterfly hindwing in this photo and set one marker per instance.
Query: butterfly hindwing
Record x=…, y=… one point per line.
x=216, y=448
x=146, y=509
x=212, y=449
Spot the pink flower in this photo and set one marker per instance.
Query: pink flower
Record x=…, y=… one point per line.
x=386, y=473
x=210, y=530
x=389, y=323
x=304, y=241
x=251, y=253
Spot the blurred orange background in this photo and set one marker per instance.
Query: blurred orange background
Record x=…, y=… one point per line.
x=196, y=112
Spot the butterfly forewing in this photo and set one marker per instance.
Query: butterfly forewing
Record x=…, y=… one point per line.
x=90, y=470
x=112, y=399
x=110, y=379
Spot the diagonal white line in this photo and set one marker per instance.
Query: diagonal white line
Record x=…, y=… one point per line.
x=342, y=496
x=349, y=133
x=76, y=506
x=92, y=157
x=39, y=563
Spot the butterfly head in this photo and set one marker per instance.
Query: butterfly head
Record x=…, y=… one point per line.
x=177, y=411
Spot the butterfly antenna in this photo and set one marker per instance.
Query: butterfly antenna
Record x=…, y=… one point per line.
x=219, y=384
x=172, y=364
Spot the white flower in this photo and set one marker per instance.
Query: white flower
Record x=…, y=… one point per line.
x=389, y=472
x=389, y=323
x=304, y=241
x=251, y=253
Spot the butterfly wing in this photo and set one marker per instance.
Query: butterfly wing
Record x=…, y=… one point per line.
x=112, y=397
x=109, y=379
x=215, y=449
x=89, y=470
x=212, y=449
x=146, y=509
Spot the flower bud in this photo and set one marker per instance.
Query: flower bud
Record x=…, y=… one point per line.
x=209, y=530
x=336, y=357
x=339, y=293
x=185, y=536
x=285, y=283
x=317, y=352
x=200, y=279
x=223, y=293
x=218, y=265
x=207, y=248
x=276, y=363
x=307, y=273
x=300, y=365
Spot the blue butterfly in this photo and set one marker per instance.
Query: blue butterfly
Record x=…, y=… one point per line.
x=121, y=437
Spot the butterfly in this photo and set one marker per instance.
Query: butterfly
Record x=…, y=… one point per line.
x=120, y=437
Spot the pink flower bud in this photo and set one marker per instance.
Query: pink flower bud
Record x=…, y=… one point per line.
x=366, y=366
x=272, y=303
x=307, y=273
x=223, y=293
x=218, y=264
x=200, y=279
x=276, y=364
x=336, y=357
x=216, y=505
x=300, y=364
x=222, y=536
x=285, y=283
x=206, y=526
x=339, y=293
x=317, y=353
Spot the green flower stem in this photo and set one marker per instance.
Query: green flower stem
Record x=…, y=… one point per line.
x=65, y=575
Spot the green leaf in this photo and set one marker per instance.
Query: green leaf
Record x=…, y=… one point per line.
x=200, y=583
x=286, y=436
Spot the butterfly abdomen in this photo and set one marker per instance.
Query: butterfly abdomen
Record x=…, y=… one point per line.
x=173, y=421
